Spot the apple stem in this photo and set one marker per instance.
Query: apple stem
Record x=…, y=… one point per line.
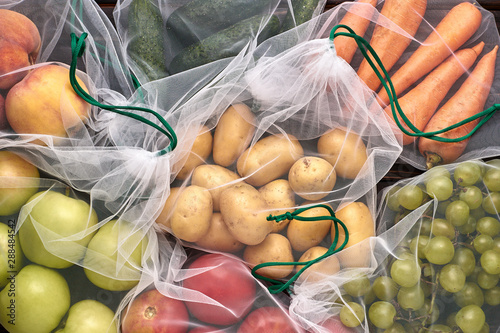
x=67, y=191
x=150, y=312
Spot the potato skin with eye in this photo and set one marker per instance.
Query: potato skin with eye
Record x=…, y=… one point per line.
x=312, y=178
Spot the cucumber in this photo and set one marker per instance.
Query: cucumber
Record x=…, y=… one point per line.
x=147, y=46
x=226, y=43
x=303, y=11
x=199, y=19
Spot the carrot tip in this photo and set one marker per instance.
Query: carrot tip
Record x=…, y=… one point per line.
x=432, y=159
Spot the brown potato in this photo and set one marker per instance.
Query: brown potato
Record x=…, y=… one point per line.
x=199, y=152
x=344, y=150
x=269, y=159
x=279, y=195
x=275, y=248
x=320, y=270
x=305, y=234
x=166, y=213
x=218, y=237
x=233, y=134
x=312, y=178
x=215, y=178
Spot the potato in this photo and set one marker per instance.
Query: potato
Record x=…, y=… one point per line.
x=279, y=195
x=200, y=151
x=245, y=213
x=312, y=178
x=218, y=237
x=359, y=222
x=320, y=270
x=269, y=159
x=233, y=134
x=192, y=213
x=214, y=178
x=305, y=234
x=346, y=151
x=166, y=213
x=275, y=248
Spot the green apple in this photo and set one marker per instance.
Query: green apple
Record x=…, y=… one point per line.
x=11, y=256
x=55, y=229
x=19, y=181
x=89, y=316
x=114, y=256
x=35, y=300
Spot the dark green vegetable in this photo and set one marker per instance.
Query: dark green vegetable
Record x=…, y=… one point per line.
x=303, y=11
x=147, y=48
x=199, y=19
x=226, y=43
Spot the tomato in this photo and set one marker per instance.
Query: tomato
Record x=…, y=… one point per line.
x=269, y=319
x=227, y=281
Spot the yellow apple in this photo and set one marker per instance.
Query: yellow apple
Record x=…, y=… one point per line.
x=44, y=102
x=19, y=46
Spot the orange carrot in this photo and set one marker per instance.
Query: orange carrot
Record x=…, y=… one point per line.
x=388, y=43
x=420, y=103
x=466, y=102
x=357, y=19
x=461, y=22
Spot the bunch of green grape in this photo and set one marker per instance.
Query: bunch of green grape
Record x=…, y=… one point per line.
x=444, y=276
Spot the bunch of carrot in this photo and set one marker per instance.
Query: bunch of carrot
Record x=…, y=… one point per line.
x=436, y=62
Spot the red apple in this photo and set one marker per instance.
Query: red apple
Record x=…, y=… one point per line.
x=225, y=280
x=269, y=319
x=153, y=312
x=207, y=329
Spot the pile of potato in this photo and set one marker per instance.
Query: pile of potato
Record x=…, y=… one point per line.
x=227, y=188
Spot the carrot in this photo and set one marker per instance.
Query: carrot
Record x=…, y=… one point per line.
x=388, y=43
x=420, y=103
x=357, y=19
x=466, y=102
x=458, y=25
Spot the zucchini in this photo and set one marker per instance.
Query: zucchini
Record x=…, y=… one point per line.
x=226, y=43
x=303, y=11
x=147, y=46
x=199, y=19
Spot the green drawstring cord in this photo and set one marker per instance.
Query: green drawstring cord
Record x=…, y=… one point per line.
x=77, y=49
x=279, y=286
x=363, y=46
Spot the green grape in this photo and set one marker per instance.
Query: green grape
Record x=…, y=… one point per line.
x=488, y=226
x=491, y=203
x=425, y=226
x=491, y=179
x=441, y=207
x=369, y=297
x=494, y=163
x=487, y=281
x=467, y=173
x=358, y=286
x=496, y=244
x=473, y=276
x=471, y=293
x=437, y=171
x=451, y=319
x=410, y=196
x=452, y=278
x=465, y=258
x=352, y=314
x=440, y=188
x=409, y=256
x=457, y=213
x=381, y=314
x=469, y=318
x=427, y=288
x=391, y=198
x=418, y=244
x=472, y=196
x=439, y=328
x=441, y=227
x=485, y=328
x=396, y=328
x=477, y=213
x=385, y=288
x=411, y=297
x=406, y=272
x=439, y=250
x=468, y=227
x=492, y=296
x=490, y=262
x=483, y=243
x=430, y=311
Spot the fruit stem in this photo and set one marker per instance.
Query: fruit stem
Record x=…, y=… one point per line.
x=432, y=159
x=150, y=312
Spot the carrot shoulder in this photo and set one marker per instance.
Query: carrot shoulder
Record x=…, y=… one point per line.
x=420, y=103
x=357, y=19
x=388, y=43
x=466, y=102
x=461, y=22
